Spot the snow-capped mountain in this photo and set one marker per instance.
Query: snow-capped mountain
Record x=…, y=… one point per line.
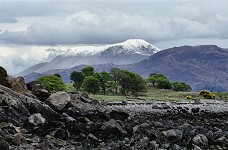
x=128, y=52
x=131, y=46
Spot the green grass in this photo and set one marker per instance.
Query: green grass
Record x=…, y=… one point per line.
x=69, y=87
x=109, y=98
x=153, y=94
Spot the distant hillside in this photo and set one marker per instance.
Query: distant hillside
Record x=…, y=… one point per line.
x=32, y=69
x=203, y=67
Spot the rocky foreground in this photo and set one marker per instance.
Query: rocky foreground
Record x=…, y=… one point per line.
x=33, y=118
x=73, y=121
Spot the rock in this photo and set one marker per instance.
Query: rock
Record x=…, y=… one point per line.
x=18, y=85
x=19, y=139
x=222, y=141
x=195, y=109
x=85, y=100
x=200, y=140
x=195, y=147
x=67, y=118
x=4, y=79
x=36, y=119
x=4, y=145
x=58, y=100
x=20, y=107
x=61, y=134
x=142, y=129
x=173, y=134
x=39, y=90
x=112, y=129
x=154, y=145
x=118, y=115
x=156, y=106
x=177, y=147
x=93, y=140
x=85, y=95
x=124, y=102
x=143, y=143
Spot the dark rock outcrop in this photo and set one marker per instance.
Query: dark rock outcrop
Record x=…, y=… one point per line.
x=4, y=79
x=18, y=85
x=38, y=89
x=77, y=122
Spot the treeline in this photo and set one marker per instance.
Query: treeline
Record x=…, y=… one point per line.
x=160, y=81
x=116, y=81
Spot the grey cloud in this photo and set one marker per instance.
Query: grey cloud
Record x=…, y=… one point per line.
x=11, y=10
x=108, y=26
x=104, y=23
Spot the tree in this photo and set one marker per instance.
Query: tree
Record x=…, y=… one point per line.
x=164, y=84
x=131, y=83
x=88, y=71
x=53, y=83
x=78, y=78
x=91, y=84
x=115, y=73
x=181, y=86
x=103, y=78
x=159, y=80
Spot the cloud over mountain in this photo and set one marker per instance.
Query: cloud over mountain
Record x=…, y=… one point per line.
x=110, y=25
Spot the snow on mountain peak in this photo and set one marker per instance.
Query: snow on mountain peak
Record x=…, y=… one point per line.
x=131, y=45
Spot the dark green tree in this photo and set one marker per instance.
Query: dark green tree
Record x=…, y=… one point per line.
x=103, y=78
x=155, y=78
x=88, y=71
x=159, y=80
x=115, y=73
x=181, y=86
x=53, y=83
x=131, y=83
x=91, y=84
x=78, y=78
x=164, y=84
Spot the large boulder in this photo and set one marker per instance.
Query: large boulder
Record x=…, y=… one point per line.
x=112, y=128
x=173, y=135
x=16, y=108
x=18, y=85
x=39, y=90
x=4, y=79
x=58, y=100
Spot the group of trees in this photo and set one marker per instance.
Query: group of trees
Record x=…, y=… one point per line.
x=116, y=81
x=160, y=81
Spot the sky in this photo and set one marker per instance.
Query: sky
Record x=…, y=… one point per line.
x=34, y=31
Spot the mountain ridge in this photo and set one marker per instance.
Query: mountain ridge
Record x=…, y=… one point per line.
x=127, y=52
x=202, y=67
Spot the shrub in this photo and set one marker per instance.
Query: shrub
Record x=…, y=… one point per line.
x=53, y=83
x=189, y=97
x=207, y=94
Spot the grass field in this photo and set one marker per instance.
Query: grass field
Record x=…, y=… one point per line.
x=153, y=94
